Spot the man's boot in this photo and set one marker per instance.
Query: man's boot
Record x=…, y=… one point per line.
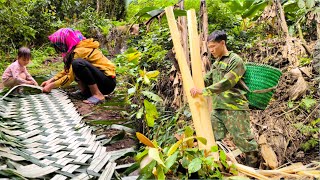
x=252, y=159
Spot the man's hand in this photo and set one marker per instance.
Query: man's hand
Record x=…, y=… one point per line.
x=195, y=91
x=48, y=87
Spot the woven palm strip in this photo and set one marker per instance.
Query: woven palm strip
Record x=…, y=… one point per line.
x=57, y=144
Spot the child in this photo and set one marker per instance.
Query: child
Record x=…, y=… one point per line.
x=17, y=73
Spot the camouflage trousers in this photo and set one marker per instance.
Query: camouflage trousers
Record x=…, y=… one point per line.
x=237, y=123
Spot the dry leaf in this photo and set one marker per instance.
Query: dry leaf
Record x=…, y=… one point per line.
x=267, y=153
x=298, y=89
x=307, y=71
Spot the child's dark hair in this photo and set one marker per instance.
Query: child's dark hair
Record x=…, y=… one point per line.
x=217, y=36
x=24, y=52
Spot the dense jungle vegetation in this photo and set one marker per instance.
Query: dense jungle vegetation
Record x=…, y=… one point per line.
x=135, y=35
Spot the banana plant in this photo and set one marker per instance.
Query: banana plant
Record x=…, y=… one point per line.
x=301, y=11
x=248, y=10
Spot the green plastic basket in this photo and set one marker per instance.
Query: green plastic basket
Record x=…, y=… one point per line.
x=260, y=77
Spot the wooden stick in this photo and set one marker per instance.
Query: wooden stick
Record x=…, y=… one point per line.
x=196, y=64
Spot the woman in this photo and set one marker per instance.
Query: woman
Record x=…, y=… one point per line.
x=83, y=62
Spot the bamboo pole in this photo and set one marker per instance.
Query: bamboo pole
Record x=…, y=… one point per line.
x=197, y=69
x=185, y=72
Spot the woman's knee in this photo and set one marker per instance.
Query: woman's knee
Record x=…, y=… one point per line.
x=77, y=62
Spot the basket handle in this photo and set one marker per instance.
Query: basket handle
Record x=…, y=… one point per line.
x=243, y=84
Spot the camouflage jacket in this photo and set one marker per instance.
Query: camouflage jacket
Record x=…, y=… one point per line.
x=222, y=83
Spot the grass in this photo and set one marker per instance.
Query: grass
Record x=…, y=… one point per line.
x=45, y=70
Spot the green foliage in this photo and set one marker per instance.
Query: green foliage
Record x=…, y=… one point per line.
x=247, y=9
x=15, y=29
x=141, y=99
x=153, y=45
x=137, y=5
x=302, y=12
x=41, y=54
x=311, y=131
x=307, y=103
x=158, y=162
x=303, y=61
x=91, y=20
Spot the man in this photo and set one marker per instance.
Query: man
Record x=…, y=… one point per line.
x=230, y=107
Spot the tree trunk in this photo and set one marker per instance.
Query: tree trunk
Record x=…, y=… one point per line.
x=98, y=6
x=203, y=27
x=182, y=21
x=288, y=50
x=184, y=33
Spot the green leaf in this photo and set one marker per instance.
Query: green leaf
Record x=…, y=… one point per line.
x=140, y=113
x=152, y=96
x=154, y=154
x=151, y=113
x=254, y=9
x=188, y=133
x=146, y=172
x=160, y=172
x=152, y=74
x=141, y=155
x=290, y=104
x=301, y=4
x=106, y=122
x=146, y=80
x=215, y=148
x=223, y=156
x=171, y=160
x=132, y=168
x=185, y=162
x=310, y=4
x=174, y=147
x=234, y=6
x=247, y=4
x=155, y=12
x=315, y=122
x=145, y=10
x=195, y=165
x=202, y=140
x=308, y=103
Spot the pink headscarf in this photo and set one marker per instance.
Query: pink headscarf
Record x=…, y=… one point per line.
x=65, y=39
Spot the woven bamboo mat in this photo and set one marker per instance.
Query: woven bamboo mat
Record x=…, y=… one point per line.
x=57, y=144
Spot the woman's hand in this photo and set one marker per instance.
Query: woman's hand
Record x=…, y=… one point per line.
x=46, y=82
x=195, y=91
x=48, y=87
